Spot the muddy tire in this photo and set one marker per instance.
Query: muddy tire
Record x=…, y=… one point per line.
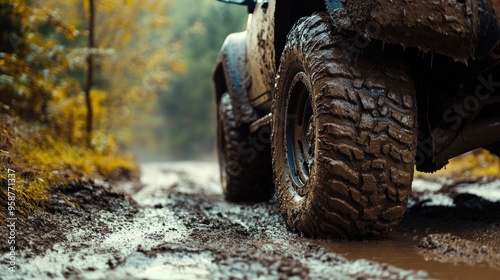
x=344, y=136
x=245, y=162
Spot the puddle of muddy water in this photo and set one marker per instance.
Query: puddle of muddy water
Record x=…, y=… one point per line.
x=400, y=248
x=405, y=255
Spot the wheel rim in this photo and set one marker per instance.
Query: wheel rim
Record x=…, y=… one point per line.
x=300, y=133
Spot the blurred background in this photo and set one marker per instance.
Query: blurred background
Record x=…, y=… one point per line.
x=84, y=82
x=143, y=68
x=183, y=124
x=152, y=63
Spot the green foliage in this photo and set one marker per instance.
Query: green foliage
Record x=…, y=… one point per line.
x=43, y=64
x=152, y=56
x=140, y=65
x=188, y=105
x=43, y=49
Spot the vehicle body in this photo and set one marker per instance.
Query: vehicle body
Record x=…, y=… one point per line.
x=419, y=79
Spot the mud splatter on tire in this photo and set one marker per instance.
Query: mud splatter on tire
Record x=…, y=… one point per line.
x=363, y=115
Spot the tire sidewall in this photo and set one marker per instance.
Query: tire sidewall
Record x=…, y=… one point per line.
x=286, y=189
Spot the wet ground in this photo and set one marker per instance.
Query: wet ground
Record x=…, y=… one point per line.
x=176, y=225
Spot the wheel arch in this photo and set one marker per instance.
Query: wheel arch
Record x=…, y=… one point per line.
x=230, y=75
x=286, y=15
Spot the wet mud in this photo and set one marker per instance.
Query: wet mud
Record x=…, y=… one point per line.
x=176, y=225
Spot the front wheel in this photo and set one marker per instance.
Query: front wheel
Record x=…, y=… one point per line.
x=344, y=136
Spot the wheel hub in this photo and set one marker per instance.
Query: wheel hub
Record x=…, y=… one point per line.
x=300, y=133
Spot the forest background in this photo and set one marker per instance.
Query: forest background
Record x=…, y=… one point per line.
x=150, y=91
x=183, y=125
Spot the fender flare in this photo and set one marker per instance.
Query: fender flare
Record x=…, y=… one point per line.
x=463, y=37
x=230, y=75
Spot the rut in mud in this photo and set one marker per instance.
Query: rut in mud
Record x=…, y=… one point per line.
x=179, y=226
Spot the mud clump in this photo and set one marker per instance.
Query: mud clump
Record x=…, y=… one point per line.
x=70, y=207
x=87, y=195
x=450, y=248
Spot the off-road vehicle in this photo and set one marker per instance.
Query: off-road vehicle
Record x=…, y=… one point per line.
x=334, y=102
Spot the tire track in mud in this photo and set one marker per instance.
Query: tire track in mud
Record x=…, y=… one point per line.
x=95, y=242
x=225, y=240
x=183, y=229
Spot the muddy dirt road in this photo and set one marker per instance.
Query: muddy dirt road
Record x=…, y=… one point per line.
x=177, y=226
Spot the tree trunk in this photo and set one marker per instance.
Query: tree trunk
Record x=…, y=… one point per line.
x=90, y=73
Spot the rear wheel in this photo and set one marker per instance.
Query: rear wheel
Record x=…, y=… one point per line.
x=245, y=160
x=344, y=136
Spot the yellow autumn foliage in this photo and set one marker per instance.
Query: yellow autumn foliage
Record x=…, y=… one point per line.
x=473, y=165
x=42, y=160
x=68, y=116
x=42, y=105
